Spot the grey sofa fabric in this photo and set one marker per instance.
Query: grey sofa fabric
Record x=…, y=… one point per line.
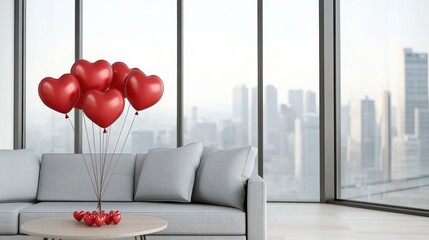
x=169, y=174
x=9, y=217
x=140, y=157
x=183, y=219
x=222, y=176
x=256, y=209
x=19, y=174
x=64, y=177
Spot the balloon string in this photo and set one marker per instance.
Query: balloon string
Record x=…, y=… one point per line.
x=83, y=156
x=117, y=142
x=91, y=155
x=106, y=145
x=117, y=160
x=95, y=160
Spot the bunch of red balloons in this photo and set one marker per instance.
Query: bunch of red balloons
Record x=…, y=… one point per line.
x=100, y=89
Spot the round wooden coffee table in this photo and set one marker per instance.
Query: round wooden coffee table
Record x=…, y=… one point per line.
x=66, y=227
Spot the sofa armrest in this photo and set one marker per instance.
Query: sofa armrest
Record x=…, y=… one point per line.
x=256, y=209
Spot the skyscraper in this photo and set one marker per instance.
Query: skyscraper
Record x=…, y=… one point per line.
x=422, y=133
x=296, y=102
x=240, y=114
x=307, y=152
x=362, y=132
x=271, y=118
x=254, y=118
x=286, y=131
x=384, y=133
x=413, y=90
x=310, y=102
x=412, y=109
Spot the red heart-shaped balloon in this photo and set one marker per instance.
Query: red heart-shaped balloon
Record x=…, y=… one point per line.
x=59, y=94
x=116, y=218
x=100, y=220
x=78, y=215
x=120, y=73
x=79, y=102
x=92, y=76
x=143, y=91
x=103, y=108
x=89, y=220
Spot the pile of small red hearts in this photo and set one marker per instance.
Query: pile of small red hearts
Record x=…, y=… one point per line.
x=98, y=218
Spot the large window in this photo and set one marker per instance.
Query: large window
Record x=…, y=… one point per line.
x=291, y=112
x=49, y=52
x=6, y=73
x=141, y=34
x=220, y=72
x=384, y=102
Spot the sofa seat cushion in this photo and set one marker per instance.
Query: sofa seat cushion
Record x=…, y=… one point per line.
x=9, y=217
x=182, y=218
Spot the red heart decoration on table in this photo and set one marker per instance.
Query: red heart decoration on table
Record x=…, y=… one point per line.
x=89, y=220
x=143, y=91
x=103, y=108
x=120, y=73
x=92, y=76
x=116, y=218
x=100, y=220
x=78, y=215
x=59, y=94
x=108, y=219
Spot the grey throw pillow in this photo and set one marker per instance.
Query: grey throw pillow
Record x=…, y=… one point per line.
x=19, y=174
x=169, y=174
x=222, y=176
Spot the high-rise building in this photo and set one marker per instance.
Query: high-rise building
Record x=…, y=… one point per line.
x=271, y=119
x=254, y=118
x=362, y=133
x=307, y=152
x=296, y=102
x=384, y=134
x=405, y=157
x=422, y=133
x=142, y=141
x=205, y=131
x=286, y=132
x=310, y=102
x=240, y=114
x=413, y=90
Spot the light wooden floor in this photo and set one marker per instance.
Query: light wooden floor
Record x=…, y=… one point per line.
x=326, y=221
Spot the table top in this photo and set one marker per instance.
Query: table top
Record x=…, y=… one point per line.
x=66, y=227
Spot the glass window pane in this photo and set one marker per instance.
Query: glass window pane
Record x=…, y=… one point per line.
x=50, y=52
x=220, y=72
x=142, y=34
x=291, y=112
x=6, y=72
x=384, y=102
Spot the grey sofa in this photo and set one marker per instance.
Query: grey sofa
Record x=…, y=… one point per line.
x=31, y=188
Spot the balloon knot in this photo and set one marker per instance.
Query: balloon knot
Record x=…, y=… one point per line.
x=67, y=116
x=137, y=113
x=105, y=131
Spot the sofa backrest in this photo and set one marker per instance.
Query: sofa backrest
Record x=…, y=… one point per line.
x=139, y=164
x=19, y=174
x=64, y=177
